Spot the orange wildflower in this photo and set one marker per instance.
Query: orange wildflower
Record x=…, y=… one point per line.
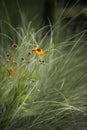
x=38, y=51
x=11, y=72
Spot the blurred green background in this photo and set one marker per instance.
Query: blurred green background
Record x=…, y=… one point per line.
x=11, y=10
x=32, y=10
x=19, y=13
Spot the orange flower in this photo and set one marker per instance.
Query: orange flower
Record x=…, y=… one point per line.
x=11, y=72
x=38, y=51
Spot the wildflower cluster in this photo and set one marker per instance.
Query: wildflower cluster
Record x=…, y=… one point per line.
x=13, y=62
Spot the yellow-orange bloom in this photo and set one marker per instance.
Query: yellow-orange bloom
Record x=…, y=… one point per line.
x=38, y=51
x=11, y=72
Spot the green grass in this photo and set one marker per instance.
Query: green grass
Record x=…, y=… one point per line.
x=50, y=96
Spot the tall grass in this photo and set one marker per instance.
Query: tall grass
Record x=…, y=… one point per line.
x=42, y=92
x=49, y=95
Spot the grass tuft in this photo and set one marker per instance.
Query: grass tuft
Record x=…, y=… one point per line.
x=45, y=91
